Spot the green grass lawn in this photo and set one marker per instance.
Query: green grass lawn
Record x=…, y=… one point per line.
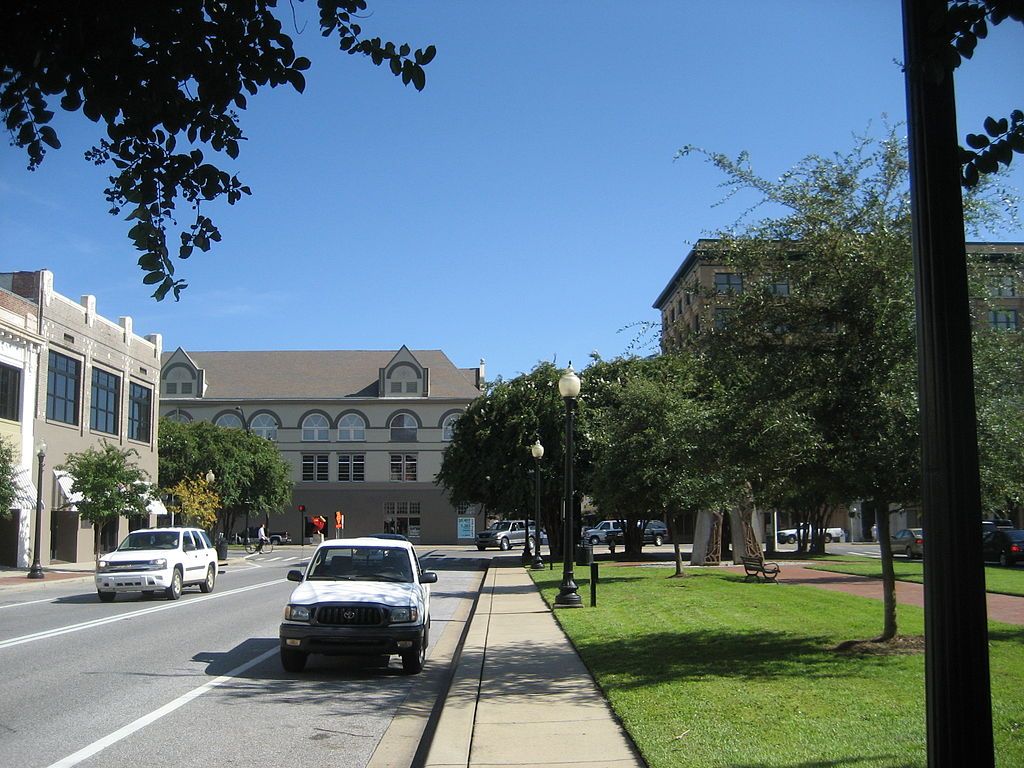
x=711, y=671
x=1005, y=581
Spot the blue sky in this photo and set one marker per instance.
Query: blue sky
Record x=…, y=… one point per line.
x=525, y=206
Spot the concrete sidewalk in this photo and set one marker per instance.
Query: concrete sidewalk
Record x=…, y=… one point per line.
x=520, y=694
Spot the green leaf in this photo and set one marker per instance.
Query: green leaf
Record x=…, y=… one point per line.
x=992, y=127
x=419, y=79
x=296, y=79
x=977, y=140
x=426, y=56
x=153, y=277
x=301, y=63
x=48, y=135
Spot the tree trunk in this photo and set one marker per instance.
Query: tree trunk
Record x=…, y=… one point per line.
x=675, y=544
x=888, y=574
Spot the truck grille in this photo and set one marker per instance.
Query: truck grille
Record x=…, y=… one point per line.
x=136, y=565
x=350, y=615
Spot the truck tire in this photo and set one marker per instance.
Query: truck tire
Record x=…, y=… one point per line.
x=594, y=540
x=658, y=540
x=504, y=545
x=412, y=662
x=828, y=537
x=206, y=585
x=173, y=592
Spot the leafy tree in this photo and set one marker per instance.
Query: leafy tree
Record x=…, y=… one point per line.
x=110, y=484
x=165, y=81
x=198, y=502
x=655, y=444
x=489, y=462
x=8, y=468
x=250, y=475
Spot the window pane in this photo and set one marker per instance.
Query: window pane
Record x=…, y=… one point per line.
x=10, y=393
x=104, y=403
x=351, y=428
x=62, y=389
x=140, y=401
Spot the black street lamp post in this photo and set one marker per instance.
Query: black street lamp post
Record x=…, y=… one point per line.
x=36, y=571
x=538, y=562
x=569, y=389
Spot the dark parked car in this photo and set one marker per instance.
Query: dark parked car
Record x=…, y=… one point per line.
x=655, y=532
x=909, y=542
x=1003, y=545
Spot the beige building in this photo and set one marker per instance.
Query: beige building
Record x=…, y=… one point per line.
x=697, y=297
x=363, y=431
x=84, y=380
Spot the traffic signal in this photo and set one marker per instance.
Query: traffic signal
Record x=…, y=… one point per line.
x=302, y=507
x=337, y=519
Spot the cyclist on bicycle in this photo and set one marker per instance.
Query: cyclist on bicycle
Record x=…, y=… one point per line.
x=261, y=539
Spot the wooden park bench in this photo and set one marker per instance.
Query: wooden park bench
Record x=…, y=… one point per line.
x=757, y=568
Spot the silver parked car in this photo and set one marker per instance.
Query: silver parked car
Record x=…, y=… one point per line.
x=909, y=542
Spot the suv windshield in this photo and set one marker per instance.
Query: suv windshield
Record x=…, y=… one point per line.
x=149, y=540
x=361, y=564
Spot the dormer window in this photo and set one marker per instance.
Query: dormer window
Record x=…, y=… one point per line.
x=404, y=380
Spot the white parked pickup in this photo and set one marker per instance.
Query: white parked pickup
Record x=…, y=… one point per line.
x=790, y=535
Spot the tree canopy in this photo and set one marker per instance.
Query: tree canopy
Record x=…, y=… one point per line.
x=110, y=484
x=249, y=474
x=164, y=81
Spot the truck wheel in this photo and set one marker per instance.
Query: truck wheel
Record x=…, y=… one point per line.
x=293, y=661
x=828, y=538
x=412, y=662
x=594, y=540
x=173, y=592
x=505, y=544
x=106, y=597
x=791, y=539
x=211, y=577
x=658, y=540
x=275, y=540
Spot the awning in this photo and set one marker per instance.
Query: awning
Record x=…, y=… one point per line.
x=64, y=481
x=156, y=507
x=24, y=490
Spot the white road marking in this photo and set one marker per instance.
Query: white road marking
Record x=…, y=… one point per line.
x=30, y=602
x=125, y=616
x=100, y=744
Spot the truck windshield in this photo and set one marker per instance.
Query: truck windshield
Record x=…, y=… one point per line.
x=149, y=540
x=361, y=564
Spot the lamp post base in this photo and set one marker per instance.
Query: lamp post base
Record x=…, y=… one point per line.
x=538, y=563
x=526, y=557
x=35, y=572
x=568, y=597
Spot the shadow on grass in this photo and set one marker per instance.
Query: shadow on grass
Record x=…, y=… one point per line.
x=1014, y=635
x=654, y=659
x=851, y=761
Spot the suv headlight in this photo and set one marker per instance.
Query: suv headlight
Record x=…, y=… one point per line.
x=297, y=612
x=403, y=615
x=158, y=563
x=101, y=565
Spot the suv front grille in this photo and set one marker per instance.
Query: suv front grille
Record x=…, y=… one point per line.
x=350, y=615
x=135, y=565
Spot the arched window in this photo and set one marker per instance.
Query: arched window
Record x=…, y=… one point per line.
x=448, y=426
x=264, y=425
x=178, y=415
x=403, y=428
x=351, y=428
x=316, y=428
x=229, y=420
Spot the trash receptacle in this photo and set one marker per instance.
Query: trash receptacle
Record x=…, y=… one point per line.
x=222, y=548
x=584, y=554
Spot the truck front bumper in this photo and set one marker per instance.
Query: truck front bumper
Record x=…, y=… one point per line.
x=350, y=641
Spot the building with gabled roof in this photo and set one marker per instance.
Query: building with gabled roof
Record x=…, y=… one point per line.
x=364, y=431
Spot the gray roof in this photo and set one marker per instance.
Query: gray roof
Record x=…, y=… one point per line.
x=319, y=374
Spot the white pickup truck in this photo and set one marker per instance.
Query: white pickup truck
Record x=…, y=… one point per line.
x=364, y=596
x=790, y=535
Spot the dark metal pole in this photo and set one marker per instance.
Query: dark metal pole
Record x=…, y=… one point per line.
x=568, y=597
x=538, y=561
x=526, y=558
x=957, y=690
x=36, y=570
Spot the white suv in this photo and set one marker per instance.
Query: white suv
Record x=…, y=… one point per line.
x=363, y=596
x=154, y=560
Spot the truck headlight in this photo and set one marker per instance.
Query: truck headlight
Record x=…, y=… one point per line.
x=101, y=565
x=297, y=612
x=404, y=615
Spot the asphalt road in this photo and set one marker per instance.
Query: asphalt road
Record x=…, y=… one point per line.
x=144, y=681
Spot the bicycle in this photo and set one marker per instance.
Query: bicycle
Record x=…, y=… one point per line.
x=254, y=546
